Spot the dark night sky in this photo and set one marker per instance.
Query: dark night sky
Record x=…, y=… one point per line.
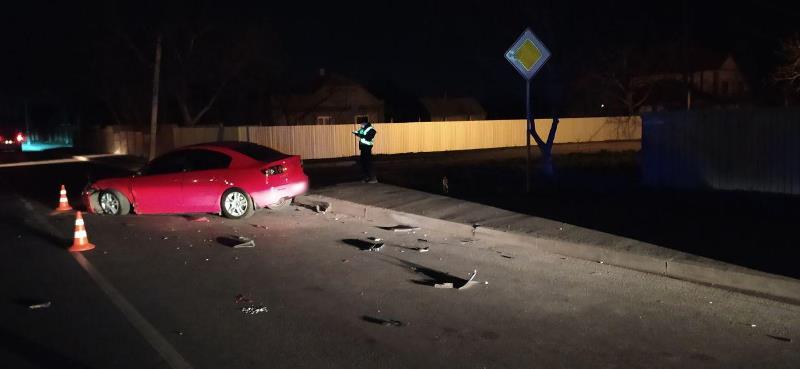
x=425, y=47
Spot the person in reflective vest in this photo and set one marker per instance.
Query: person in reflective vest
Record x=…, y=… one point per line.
x=366, y=137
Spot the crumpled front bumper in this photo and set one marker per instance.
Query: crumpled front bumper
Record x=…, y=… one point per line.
x=89, y=200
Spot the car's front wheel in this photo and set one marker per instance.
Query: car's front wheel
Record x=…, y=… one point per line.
x=236, y=204
x=113, y=203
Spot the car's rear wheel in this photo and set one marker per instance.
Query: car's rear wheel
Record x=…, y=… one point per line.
x=281, y=204
x=236, y=204
x=113, y=203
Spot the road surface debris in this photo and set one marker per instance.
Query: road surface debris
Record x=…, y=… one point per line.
x=401, y=228
x=242, y=299
x=322, y=207
x=383, y=322
x=253, y=310
x=43, y=305
x=244, y=242
x=779, y=338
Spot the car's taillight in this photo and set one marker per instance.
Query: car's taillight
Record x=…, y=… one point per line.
x=271, y=171
x=20, y=137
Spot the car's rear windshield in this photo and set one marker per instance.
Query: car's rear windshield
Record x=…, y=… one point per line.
x=258, y=152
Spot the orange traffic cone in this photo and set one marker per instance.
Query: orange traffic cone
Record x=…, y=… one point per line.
x=81, y=242
x=63, y=202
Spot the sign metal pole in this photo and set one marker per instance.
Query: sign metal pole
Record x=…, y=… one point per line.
x=530, y=126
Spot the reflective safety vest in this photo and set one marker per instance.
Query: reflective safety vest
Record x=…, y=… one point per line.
x=362, y=133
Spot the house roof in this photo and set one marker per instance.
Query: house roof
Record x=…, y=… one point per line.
x=669, y=60
x=317, y=96
x=446, y=106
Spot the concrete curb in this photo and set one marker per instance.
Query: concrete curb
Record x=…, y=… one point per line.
x=716, y=274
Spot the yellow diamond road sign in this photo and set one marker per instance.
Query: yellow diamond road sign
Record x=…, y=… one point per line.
x=527, y=54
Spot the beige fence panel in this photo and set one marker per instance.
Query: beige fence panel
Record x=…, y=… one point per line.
x=312, y=142
x=335, y=141
x=184, y=136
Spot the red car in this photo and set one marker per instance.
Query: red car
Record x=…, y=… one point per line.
x=11, y=140
x=228, y=178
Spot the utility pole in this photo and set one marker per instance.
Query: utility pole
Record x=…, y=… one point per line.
x=154, y=105
x=27, y=120
x=686, y=71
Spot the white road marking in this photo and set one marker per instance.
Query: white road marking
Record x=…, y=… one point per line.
x=171, y=356
x=159, y=343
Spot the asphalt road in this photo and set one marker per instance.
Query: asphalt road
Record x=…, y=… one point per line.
x=166, y=291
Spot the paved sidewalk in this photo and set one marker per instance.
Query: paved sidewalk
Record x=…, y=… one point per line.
x=391, y=203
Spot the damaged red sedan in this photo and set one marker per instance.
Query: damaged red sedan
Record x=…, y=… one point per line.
x=228, y=178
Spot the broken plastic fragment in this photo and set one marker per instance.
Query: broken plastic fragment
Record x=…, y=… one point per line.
x=322, y=207
x=253, y=310
x=392, y=323
x=375, y=247
x=470, y=280
x=43, y=305
x=244, y=242
x=424, y=249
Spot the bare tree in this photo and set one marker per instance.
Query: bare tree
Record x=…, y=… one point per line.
x=210, y=56
x=789, y=72
x=207, y=59
x=622, y=79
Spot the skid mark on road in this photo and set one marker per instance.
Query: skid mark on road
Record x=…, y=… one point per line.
x=159, y=343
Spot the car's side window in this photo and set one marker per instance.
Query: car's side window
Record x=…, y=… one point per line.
x=207, y=160
x=173, y=162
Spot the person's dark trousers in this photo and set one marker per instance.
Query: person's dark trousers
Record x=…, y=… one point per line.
x=366, y=161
